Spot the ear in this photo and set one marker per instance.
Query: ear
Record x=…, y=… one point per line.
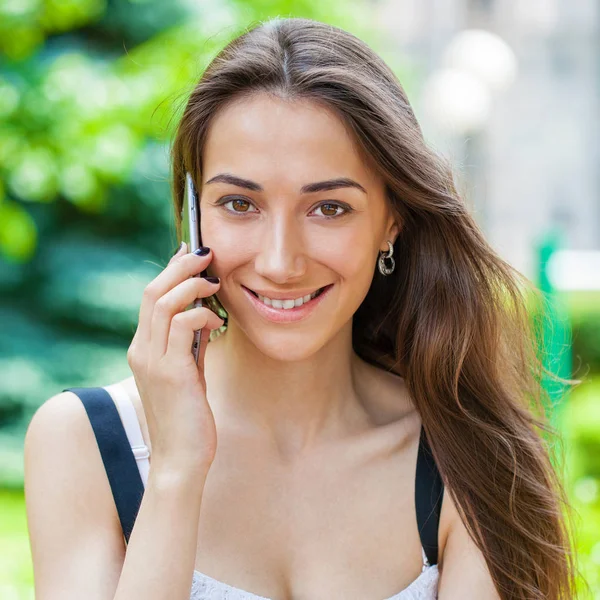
x=392, y=231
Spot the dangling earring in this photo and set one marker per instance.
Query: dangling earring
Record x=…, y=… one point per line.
x=383, y=269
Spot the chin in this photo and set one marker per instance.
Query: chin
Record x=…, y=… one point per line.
x=290, y=346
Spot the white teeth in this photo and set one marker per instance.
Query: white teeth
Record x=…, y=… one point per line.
x=287, y=304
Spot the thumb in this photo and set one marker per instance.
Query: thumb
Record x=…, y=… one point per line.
x=214, y=322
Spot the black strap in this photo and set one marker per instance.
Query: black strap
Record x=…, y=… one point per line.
x=429, y=492
x=119, y=462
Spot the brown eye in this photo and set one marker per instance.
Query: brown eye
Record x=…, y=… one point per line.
x=333, y=210
x=329, y=210
x=238, y=205
x=241, y=204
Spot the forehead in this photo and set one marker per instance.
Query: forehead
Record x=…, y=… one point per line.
x=270, y=139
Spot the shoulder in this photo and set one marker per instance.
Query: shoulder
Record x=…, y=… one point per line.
x=463, y=569
x=60, y=452
x=68, y=499
x=60, y=422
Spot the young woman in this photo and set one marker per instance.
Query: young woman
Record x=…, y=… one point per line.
x=365, y=422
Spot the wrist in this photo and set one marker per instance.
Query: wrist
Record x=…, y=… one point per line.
x=168, y=476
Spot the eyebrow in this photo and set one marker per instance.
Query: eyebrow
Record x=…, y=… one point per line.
x=310, y=188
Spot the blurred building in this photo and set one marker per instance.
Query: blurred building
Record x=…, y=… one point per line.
x=532, y=164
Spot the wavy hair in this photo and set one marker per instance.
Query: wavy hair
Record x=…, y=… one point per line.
x=452, y=319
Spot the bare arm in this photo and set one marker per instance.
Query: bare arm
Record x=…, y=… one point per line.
x=77, y=544
x=463, y=571
x=161, y=554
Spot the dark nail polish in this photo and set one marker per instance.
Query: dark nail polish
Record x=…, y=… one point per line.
x=202, y=251
x=212, y=279
x=178, y=249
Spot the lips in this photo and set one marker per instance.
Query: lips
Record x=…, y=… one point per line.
x=319, y=291
x=287, y=315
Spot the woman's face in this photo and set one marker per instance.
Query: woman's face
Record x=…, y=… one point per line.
x=272, y=234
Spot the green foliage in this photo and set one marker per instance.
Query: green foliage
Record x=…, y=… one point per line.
x=582, y=445
x=585, y=319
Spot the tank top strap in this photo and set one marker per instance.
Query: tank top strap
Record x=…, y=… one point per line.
x=429, y=492
x=116, y=453
x=132, y=427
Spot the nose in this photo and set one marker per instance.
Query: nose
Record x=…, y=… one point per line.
x=281, y=256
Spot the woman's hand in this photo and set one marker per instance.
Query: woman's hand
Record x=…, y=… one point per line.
x=172, y=386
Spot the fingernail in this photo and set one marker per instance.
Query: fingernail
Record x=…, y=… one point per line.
x=202, y=251
x=178, y=249
x=212, y=279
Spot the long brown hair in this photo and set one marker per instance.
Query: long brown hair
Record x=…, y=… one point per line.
x=452, y=319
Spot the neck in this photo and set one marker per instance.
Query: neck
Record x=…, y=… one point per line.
x=296, y=404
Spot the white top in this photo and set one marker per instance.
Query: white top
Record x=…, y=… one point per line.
x=424, y=587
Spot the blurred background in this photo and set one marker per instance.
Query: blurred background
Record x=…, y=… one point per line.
x=90, y=94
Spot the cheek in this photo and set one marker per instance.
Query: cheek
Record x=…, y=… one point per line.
x=350, y=253
x=231, y=245
x=350, y=261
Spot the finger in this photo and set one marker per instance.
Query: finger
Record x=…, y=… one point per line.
x=180, y=252
x=183, y=327
x=173, y=302
x=140, y=332
x=204, y=339
x=183, y=266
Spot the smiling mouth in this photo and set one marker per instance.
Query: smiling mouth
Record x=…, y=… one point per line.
x=313, y=295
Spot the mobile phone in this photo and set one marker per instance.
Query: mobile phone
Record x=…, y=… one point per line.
x=190, y=234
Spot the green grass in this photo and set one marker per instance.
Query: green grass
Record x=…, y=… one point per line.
x=16, y=572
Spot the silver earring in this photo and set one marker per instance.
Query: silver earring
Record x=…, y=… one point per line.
x=383, y=269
